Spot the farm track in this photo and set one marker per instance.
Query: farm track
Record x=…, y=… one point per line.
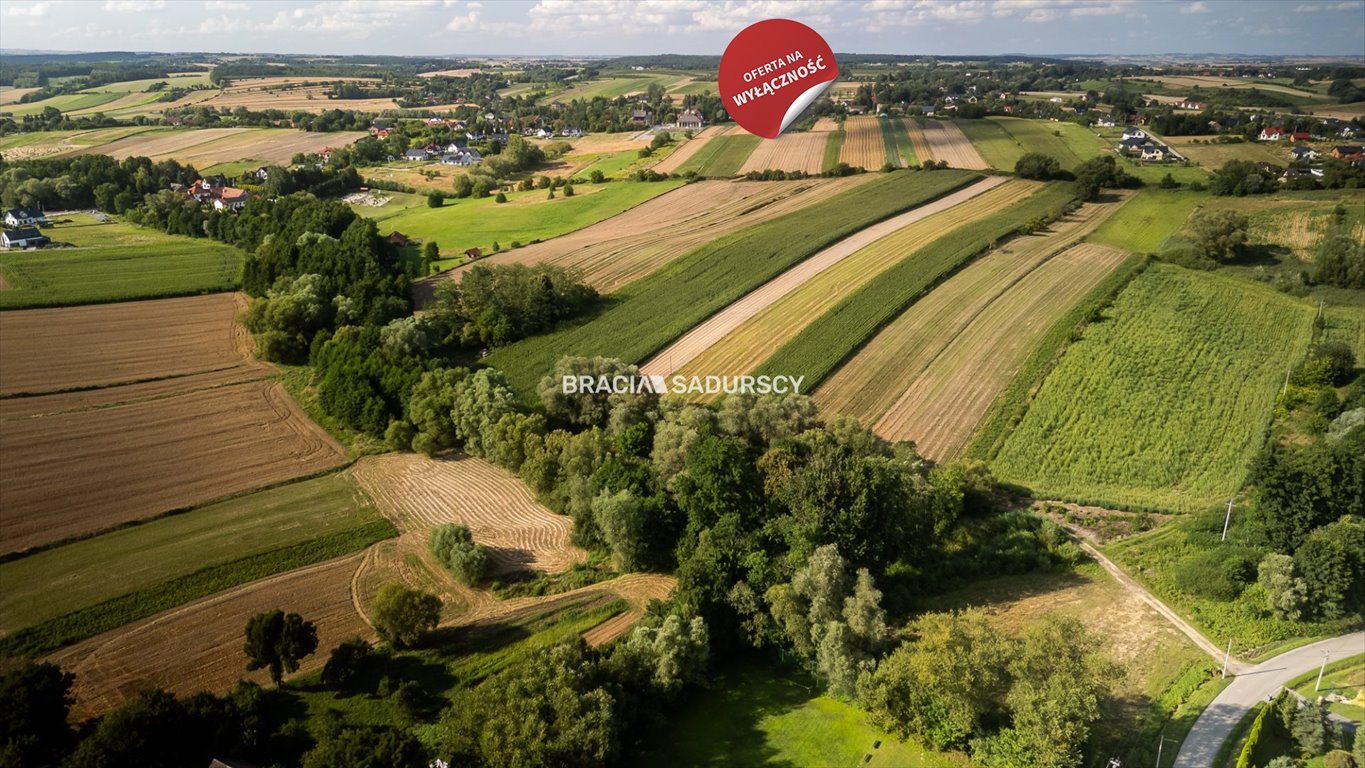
x=803, y=152
x=80, y=472
x=871, y=383
x=53, y=350
x=946, y=141
x=863, y=144
x=613, y=253
x=419, y=494
x=738, y=338
x=689, y=148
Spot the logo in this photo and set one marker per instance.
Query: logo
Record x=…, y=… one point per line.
x=681, y=385
x=771, y=72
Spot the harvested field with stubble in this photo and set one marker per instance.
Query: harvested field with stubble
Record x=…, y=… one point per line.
x=51, y=350
x=613, y=253
x=419, y=494
x=74, y=473
x=203, y=147
x=199, y=646
x=689, y=149
x=918, y=141
x=740, y=338
x=803, y=152
x=946, y=141
x=874, y=385
x=863, y=144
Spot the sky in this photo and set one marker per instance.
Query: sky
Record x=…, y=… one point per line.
x=619, y=27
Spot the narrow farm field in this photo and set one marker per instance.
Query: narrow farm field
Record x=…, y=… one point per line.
x=768, y=715
x=1148, y=220
x=1163, y=675
x=1003, y=140
x=721, y=156
x=899, y=133
x=175, y=559
x=50, y=350
x=919, y=345
x=35, y=144
x=11, y=95
x=209, y=146
x=1202, y=151
x=115, y=262
x=863, y=146
x=199, y=646
x=75, y=473
x=947, y=142
x=803, y=152
x=526, y=216
x=289, y=94
x=1203, y=350
x=1346, y=324
x=420, y=493
x=659, y=308
x=833, y=148
x=689, y=149
x=821, y=346
x=738, y=339
x=613, y=253
x=622, y=83
x=65, y=102
x=915, y=135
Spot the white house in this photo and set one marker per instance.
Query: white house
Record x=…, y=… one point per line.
x=1106, y=122
x=23, y=217
x=1304, y=153
x=1271, y=133
x=23, y=238
x=1154, y=152
x=1134, y=133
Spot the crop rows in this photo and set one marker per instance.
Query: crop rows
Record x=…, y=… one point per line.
x=60, y=277
x=654, y=310
x=841, y=331
x=863, y=145
x=720, y=157
x=1165, y=405
x=803, y=152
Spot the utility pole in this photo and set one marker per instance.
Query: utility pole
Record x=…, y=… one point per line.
x=1226, y=656
x=1226, y=520
x=1323, y=668
x=1159, y=747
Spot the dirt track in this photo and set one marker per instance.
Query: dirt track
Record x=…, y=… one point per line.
x=615, y=252
x=721, y=324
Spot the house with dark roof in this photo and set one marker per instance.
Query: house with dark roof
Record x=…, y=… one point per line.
x=690, y=119
x=1303, y=153
x=24, y=217
x=417, y=153
x=25, y=237
x=1341, y=152
x=641, y=117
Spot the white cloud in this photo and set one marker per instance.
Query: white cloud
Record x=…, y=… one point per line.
x=465, y=23
x=1040, y=15
x=225, y=5
x=1197, y=7
x=32, y=11
x=134, y=6
x=1347, y=5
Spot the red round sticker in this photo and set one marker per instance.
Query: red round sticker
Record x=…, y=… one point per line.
x=771, y=72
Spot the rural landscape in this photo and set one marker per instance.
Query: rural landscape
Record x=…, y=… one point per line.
x=427, y=385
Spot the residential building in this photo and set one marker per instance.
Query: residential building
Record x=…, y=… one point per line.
x=1271, y=133
x=25, y=237
x=23, y=217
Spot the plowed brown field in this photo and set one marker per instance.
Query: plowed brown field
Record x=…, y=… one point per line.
x=863, y=144
x=624, y=248
x=947, y=142
x=418, y=494
x=199, y=646
x=78, y=472
x=689, y=148
x=50, y=350
x=803, y=152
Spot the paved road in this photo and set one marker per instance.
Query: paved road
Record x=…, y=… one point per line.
x=1253, y=685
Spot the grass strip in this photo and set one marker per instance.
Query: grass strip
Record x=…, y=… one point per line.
x=842, y=331
x=125, y=609
x=893, y=157
x=653, y=311
x=833, y=146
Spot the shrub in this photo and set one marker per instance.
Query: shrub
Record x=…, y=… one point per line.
x=346, y=663
x=454, y=547
x=500, y=198
x=435, y=200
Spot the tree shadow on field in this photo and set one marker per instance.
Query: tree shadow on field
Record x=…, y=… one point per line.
x=1263, y=255
x=513, y=564
x=1002, y=590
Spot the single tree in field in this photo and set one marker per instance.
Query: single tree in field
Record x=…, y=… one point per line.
x=431, y=252
x=276, y=640
x=1036, y=165
x=1220, y=235
x=402, y=615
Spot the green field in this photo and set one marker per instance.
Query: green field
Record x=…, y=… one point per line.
x=129, y=573
x=526, y=216
x=833, y=145
x=66, y=102
x=619, y=83
x=1164, y=404
x=68, y=140
x=888, y=126
x=1346, y=324
x=653, y=311
x=763, y=715
x=176, y=80
x=819, y=349
x=615, y=164
x=721, y=156
x=115, y=262
x=1345, y=677
x=1003, y=140
x=1146, y=222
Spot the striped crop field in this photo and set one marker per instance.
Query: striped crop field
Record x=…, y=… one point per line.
x=1003, y=140
x=613, y=253
x=947, y=143
x=863, y=145
x=1165, y=403
x=689, y=149
x=895, y=132
x=821, y=346
x=656, y=309
x=915, y=135
x=748, y=345
x=722, y=156
x=911, y=354
x=789, y=152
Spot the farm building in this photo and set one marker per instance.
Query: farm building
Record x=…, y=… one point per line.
x=26, y=237
x=641, y=117
x=398, y=239
x=690, y=119
x=23, y=217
